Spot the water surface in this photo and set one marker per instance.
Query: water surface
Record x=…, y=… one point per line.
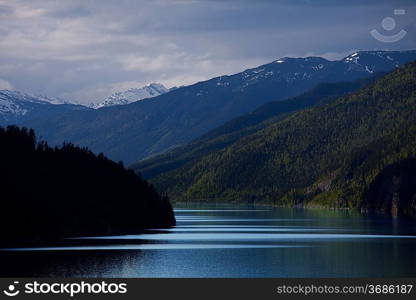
x=227, y=241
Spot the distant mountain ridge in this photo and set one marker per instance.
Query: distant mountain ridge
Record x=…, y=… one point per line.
x=152, y=126
x=16, y=106
x=132, y=95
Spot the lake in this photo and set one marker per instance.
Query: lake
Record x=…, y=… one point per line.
x=234, y=241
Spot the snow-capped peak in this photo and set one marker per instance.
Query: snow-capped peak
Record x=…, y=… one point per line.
x=132, y=95
x=16, y=103
x=54, y=100
x=40, y=99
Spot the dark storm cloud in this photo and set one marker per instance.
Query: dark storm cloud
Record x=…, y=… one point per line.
x=85, y=50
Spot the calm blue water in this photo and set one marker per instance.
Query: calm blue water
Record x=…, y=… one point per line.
x=226, y=241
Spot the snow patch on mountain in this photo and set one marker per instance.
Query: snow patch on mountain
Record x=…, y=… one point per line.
x=370, y=61
x=15, y=105
x=13, y=102
x=132, y=95
x=55, y=100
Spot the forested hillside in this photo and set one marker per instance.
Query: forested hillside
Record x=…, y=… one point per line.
x=68, y=191
x=239, y=127
x=327, y=155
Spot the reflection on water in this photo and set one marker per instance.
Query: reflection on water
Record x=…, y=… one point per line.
x=219, y=241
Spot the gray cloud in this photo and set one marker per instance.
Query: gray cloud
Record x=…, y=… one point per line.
x=85, y=50
x=5, y=85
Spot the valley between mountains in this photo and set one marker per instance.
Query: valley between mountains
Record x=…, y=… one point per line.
x=299, y=132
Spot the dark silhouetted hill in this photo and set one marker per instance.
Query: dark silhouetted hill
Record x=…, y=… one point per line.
x=49, y=192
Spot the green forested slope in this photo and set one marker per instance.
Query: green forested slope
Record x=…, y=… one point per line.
x=327, y=155
x=244, y=125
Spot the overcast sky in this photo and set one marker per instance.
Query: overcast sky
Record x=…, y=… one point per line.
x=84, y=50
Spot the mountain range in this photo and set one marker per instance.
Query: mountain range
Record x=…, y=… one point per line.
x=352, y=150
x=152, y=126
x=17, y=107
x=132, y=95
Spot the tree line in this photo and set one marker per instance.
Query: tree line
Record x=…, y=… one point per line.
x=52, y=192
